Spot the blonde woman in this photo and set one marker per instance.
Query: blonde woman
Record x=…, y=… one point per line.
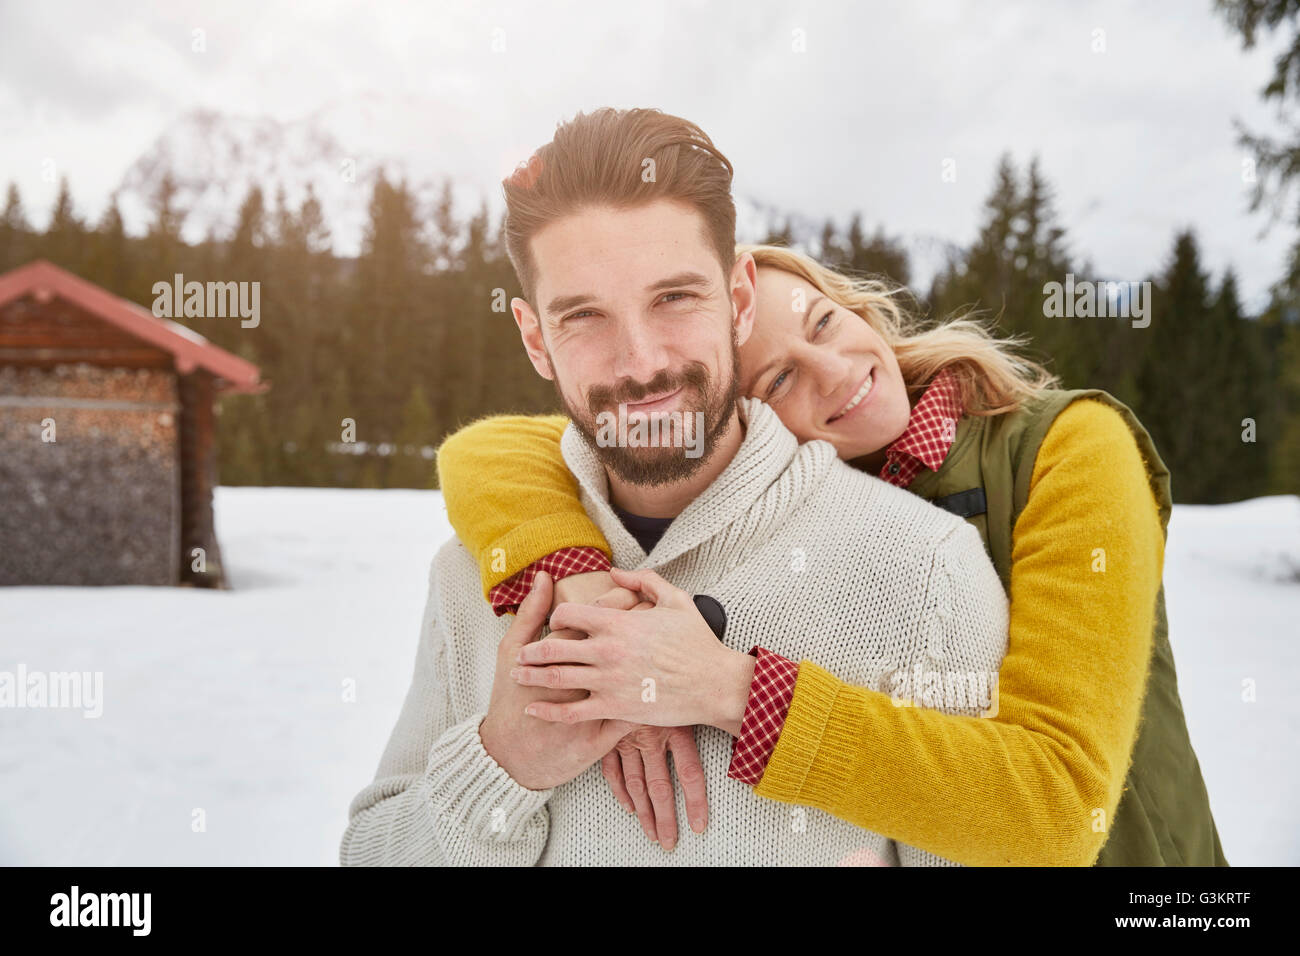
x=1084, y=758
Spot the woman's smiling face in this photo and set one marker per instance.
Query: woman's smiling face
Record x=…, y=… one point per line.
x=824, y=370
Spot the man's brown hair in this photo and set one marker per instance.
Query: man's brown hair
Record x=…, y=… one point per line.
x=600, y=158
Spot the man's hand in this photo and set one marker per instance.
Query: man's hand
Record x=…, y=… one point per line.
x=637, y=768
x=637, y=771
x=584, y=588
x=539, y=754
x=659, y=666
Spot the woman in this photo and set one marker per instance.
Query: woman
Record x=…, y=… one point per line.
x=1072, y=501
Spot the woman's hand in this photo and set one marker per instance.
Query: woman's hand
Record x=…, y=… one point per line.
x=660, y=666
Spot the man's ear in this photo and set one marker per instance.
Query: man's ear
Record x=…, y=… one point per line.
x=744, y=296
x=530, y=331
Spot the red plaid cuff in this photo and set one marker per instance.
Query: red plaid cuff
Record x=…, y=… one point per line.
x=769, y=701
x=509, y=594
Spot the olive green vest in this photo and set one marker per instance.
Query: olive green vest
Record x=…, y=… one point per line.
x=1164, y=814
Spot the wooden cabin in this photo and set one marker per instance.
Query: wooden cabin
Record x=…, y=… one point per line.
x=108, y=452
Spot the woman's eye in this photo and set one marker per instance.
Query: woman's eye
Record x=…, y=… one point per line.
x=824, y=321
x=777, y=382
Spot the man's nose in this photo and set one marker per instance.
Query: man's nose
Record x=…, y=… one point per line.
x=639, y=352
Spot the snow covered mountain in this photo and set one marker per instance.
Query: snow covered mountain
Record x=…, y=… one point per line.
x=340, y=151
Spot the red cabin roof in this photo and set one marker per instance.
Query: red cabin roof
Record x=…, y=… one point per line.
x=44, y=281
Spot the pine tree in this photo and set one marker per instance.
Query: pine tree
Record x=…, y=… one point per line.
x=1039, y=257
x=15, y=232
x=1002, y=275
x=110, y=260
x=64, y=239
x=782, y=235
x=1232, y=373
x=388, y=307
x=336, y=405
x=444, y=230
x=1277, y=161
x=499, y=376
x=1279, y=391
x=1171, y=381
x=410, y=467
x=244, y=259
x=878, y=256
x=1276, y=166
x=242, y=450
x=311, y=219
x=829, y=250
x=1284, y=460
x=163, y=241
x=982, y=278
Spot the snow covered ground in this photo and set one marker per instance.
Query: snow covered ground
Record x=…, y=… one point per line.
x=261, y=711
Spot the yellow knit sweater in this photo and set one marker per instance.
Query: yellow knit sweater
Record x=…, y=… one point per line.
x=1035, y=785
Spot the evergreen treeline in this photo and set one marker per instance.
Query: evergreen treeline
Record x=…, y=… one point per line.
x=408, y=340
x=1207, y=381
x=414, y=336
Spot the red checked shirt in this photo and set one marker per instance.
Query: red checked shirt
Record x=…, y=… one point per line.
x=930, y=432
x=509, y=594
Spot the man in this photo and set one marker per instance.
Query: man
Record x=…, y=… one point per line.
x=622, y=232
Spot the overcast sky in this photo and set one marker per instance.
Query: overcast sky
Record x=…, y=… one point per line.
x=824, y=108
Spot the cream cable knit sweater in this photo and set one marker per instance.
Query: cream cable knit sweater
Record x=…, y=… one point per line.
x=810, y=558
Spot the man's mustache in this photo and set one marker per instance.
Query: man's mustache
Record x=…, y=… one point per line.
x=627, y=391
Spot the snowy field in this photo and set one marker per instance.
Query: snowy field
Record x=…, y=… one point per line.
x=234, y=705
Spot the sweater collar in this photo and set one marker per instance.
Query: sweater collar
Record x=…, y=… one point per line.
x=763, y=456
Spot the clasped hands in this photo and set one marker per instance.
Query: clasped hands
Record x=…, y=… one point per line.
x=623, y=679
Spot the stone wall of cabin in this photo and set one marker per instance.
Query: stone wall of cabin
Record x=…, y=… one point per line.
x=89, y=476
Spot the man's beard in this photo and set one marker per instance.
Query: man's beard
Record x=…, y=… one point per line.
x=664, y=465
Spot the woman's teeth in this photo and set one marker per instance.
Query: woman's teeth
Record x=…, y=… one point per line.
x=853, y=402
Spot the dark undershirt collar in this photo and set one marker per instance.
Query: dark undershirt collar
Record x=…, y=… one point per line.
x=647, y=531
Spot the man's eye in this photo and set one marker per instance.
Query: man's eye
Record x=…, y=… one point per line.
x=579, y=315
x=676, y=296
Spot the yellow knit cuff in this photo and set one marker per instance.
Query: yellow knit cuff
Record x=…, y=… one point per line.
x=815, y=692
x=521, y=546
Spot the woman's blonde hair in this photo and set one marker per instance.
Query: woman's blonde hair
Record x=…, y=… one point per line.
x=994, y=379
